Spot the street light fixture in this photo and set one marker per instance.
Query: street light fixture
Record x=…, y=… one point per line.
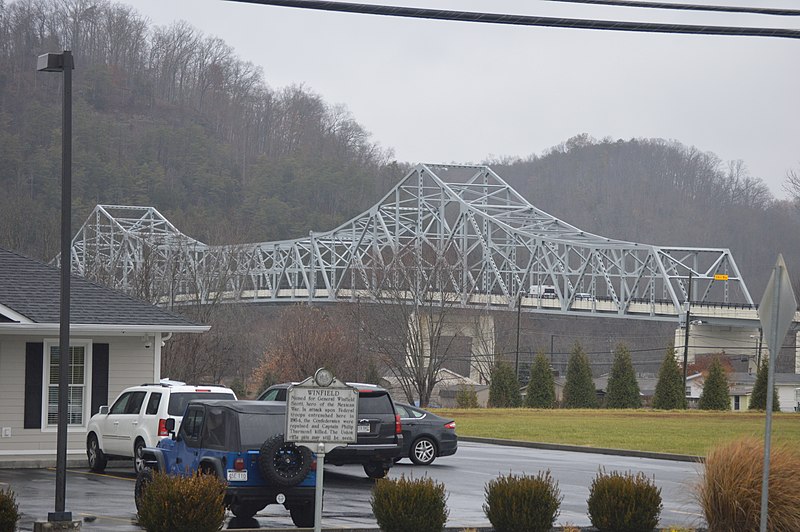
x=63, y=63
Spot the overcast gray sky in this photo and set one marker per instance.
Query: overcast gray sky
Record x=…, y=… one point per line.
x=462, y=92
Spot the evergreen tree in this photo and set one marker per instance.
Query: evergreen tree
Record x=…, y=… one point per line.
x=715, y=390
x=623, y=389
x=579, y=391
x=670, y=392
x=504, y=388
x=541, y=392
x=758, y=400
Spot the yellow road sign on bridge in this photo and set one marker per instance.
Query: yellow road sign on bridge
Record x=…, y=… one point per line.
x=721, y=277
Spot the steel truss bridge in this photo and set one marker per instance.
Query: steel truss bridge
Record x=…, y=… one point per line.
x=444, y=232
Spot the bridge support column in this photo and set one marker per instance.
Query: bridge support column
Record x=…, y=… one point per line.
x=705, y=339
x=473, y=355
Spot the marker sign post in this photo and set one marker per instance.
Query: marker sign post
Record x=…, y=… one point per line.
x=321, y=414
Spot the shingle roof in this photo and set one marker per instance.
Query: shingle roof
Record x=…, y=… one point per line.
x=31, y=288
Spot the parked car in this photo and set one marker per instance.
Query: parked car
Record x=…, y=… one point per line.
x=380, y=437
x=137, y=419
x=242, y=443
x=426, y=435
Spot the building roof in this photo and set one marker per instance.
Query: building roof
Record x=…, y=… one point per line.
x=30, y=294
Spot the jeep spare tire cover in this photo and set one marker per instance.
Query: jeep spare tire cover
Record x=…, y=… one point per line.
x=284, y=464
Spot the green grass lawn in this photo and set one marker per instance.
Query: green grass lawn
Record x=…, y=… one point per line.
x=687, y=432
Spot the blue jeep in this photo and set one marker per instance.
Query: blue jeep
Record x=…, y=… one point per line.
x=242, y=443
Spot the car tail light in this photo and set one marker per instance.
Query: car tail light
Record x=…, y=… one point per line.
x=162, y=427
x=398, y=428
x=451, y=425
x=238, y=464
x=201, y=390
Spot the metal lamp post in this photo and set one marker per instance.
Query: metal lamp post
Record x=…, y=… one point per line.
x=686, y=334
x=63, y=63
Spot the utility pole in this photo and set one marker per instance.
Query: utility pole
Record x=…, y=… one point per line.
x=516, y=356
x=686, y=334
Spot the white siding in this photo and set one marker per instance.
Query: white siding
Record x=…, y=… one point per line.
x=129, y=364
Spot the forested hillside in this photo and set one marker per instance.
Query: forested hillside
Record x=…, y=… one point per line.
x=170, y=117
x=167, y=116
x=662, y=192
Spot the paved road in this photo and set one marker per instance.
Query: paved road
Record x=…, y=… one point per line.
x=105, y=502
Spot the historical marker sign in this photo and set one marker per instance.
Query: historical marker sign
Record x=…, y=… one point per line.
x=321, y=414
x=317, y=414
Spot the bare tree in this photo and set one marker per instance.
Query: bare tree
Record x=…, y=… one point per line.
x=409, y=327
x=306, y=339
x=792, y=186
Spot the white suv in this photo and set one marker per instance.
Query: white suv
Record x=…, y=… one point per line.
x=137, y=419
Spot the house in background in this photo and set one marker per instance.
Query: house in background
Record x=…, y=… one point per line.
x=115, y=342
x=448, y=384
x=740, y=388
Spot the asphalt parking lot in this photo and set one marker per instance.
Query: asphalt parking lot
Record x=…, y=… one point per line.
x=105, y=502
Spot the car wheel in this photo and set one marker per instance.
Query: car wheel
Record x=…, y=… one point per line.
x=246, y=510
x=302, y=516
x=138, y=459
x=375, y=470
x=284, y=464
x=143, y=479
x=423, y=452
x=96, y=456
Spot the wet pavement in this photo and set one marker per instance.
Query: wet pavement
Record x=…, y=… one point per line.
x=105, y=501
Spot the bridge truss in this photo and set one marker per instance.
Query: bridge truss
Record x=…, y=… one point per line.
x=463, y=232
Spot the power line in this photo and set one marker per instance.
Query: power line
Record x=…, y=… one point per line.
x=526, y=20
x=688, y=7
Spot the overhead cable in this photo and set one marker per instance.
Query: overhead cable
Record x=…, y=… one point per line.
x=688, y=7
x=526, y=20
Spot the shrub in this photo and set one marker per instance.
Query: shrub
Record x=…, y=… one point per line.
x=524, y=502
x=624, y=502
x=409, y=504
x=174, y=503
x=9, y=510
x=729, y=489
x=466, y=397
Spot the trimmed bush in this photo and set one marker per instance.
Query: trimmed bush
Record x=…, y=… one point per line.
x=729, y=490
x=624, y=502
x=183, y=504
x=529, y=503
x=9, y=511
x=409, y=504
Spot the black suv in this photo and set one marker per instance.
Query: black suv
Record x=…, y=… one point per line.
x=242, y=443
x=380, y=437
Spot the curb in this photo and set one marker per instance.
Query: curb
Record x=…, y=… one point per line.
x=583, y=449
